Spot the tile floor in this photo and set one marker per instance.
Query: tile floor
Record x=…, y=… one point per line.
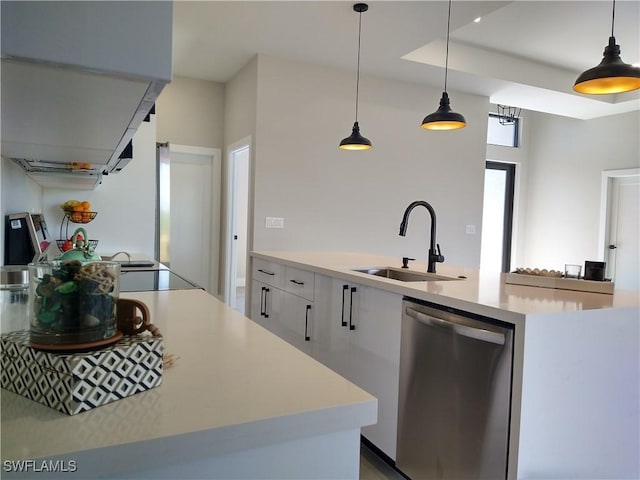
x=373, y=467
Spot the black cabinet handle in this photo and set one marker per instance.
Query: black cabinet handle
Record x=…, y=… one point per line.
x=351, y=325
x=262, y=302
x=297, y=282
x=266, y=291
x=266, y=272
x=307, y=337
x=344, y=290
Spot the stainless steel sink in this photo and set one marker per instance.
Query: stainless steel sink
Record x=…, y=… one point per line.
x=403, y=275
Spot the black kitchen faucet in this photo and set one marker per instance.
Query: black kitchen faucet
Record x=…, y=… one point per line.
x=434, y=249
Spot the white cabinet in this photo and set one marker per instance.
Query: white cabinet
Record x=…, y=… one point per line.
x=296, y=322
x=268, y=272
x=350, y=328
x=266, y=305
x=357, y=334
x=288, y=315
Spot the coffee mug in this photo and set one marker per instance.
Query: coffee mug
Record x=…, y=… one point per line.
x=133, y=316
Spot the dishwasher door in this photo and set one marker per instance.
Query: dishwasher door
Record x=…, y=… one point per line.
x=455, y=395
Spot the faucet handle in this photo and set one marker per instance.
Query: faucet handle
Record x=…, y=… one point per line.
x=405, y=261
x=439, y=256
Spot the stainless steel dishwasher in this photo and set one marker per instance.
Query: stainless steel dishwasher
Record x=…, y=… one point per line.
x=455, y=394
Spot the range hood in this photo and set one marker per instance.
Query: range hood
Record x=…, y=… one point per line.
x=77, y=79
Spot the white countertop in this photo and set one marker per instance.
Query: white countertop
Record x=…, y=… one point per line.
x=234, y=386
x=481, y=292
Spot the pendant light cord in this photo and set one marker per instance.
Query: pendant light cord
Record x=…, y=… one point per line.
x=446, y=61
x=358, y=62
x=613, y=16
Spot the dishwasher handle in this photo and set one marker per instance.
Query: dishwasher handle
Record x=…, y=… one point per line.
x=463, y=330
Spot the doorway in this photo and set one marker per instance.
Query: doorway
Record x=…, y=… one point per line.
x=621, y=239
x=189, y=212
x=237, y=224
x=497, y=217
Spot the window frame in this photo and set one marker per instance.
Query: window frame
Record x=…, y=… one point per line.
x=516, y=132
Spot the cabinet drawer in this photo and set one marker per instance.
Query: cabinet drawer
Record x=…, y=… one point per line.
x=268, y=272
x=299, y=282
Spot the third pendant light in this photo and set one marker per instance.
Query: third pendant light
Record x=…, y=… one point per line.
x=444, y=118
x=611, y=75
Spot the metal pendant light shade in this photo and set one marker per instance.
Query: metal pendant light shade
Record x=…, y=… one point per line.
x=356, y=141
x=612, y=75
x=444, y=118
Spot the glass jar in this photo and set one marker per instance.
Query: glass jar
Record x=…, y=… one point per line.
x=73, y=304
x=14, y=296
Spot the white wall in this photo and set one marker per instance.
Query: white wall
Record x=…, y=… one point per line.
x=191, y=112
x=18, y=193
x=125, y=202
x=339, y=200
x=566, y=160
x=240, y=104
x=239, y=124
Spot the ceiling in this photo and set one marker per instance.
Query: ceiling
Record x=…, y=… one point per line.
x=521, y=53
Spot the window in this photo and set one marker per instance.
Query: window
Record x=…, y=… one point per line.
x=503, y=135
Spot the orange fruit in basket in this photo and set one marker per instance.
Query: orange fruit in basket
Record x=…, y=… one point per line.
x=86, y=216
x=86, y=206
x=76, y=216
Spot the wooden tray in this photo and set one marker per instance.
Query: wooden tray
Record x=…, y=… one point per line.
x=576, y=284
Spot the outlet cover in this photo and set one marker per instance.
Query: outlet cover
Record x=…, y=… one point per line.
x=274, y=222
x=470, y=230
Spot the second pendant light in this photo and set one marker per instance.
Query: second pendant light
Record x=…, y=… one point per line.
x=356, y=141
x=444, y=118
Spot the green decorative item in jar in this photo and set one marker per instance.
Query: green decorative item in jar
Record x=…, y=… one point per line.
x=73, y=305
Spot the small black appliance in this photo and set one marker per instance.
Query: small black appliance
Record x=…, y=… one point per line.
x=26, y=238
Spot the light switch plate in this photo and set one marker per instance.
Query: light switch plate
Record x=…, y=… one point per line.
x=274, y=222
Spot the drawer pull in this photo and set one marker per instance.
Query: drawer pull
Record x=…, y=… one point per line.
x=297, y=282
x=307, y=337
x=351, y=325
x=266, y=272
x=344, y=290
x=266, y=291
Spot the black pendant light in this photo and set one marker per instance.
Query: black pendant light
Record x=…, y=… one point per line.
x=355, y=141
x=444, y=118
x=612, y=75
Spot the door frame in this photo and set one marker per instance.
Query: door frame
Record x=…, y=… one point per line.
x=509, y=200
x=605, y=196
x=230, y=215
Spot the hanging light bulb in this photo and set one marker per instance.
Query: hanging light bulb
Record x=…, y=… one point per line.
x=356, y=141
x=444, y=118
x=611, y=75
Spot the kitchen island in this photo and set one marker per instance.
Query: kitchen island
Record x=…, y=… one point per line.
x=575, y=391
x=238, y=403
